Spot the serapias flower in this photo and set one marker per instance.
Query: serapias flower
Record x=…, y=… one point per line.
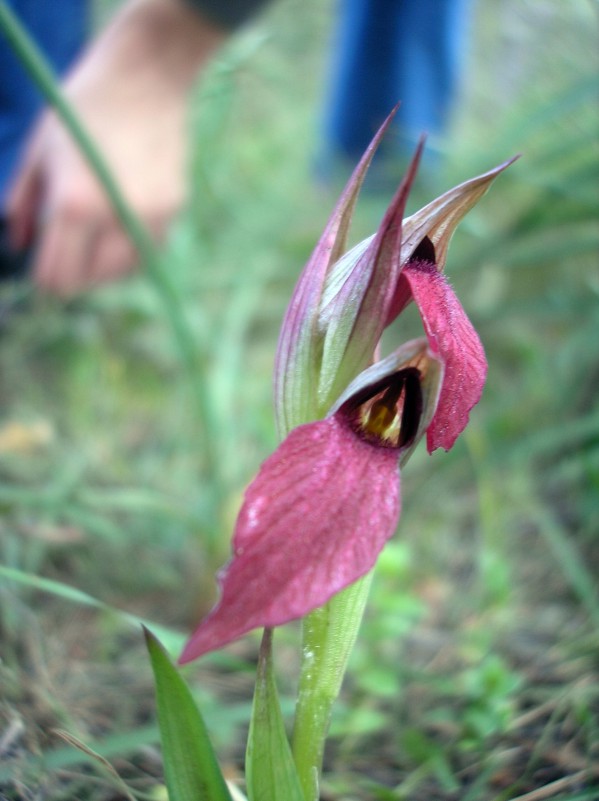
x=325, y=502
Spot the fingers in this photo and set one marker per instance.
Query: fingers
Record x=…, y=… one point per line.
x=79, y=243
x=72, y=258
x=114, y=257
x=64, y=252
x=22, y=204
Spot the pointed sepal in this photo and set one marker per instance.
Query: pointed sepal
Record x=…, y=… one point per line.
x=428, y=232
x=297, y=362
x=439, y=219
x=358, y=295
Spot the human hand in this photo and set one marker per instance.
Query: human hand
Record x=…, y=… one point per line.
x=130, y=90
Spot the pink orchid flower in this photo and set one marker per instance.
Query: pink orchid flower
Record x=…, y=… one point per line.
x=324, y=504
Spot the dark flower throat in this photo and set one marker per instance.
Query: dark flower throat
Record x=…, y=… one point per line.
x=388, y=413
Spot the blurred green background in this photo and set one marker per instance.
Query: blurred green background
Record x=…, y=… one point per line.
x=476, y=674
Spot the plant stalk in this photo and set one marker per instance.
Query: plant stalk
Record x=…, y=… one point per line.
x=329, y=634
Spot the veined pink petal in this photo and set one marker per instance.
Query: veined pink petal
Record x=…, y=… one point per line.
x=313, y=521
x=452, y=336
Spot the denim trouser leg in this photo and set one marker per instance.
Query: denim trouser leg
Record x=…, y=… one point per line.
x=59, y=28
x=388, y=51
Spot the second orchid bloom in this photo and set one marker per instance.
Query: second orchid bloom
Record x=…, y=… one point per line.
x=323, y=505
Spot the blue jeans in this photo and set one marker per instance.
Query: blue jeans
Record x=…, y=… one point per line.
x=60, y=29
x=388, y=51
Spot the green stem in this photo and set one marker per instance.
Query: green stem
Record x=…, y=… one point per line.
x=42, y=74
x=329, y=634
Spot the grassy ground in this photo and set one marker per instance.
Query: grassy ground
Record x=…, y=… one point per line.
x=476, y=674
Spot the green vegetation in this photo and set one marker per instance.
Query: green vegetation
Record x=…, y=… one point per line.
x=475, y=677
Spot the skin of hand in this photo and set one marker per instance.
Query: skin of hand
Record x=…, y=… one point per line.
x=130, y=89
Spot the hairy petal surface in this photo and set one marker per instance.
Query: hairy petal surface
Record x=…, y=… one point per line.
x=452, y=337
x=313, y=521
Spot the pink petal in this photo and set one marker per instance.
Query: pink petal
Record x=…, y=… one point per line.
x=313, y=521
x=452, y=336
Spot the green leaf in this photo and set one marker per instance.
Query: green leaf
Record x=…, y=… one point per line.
x=191, y=770
x=270, y=769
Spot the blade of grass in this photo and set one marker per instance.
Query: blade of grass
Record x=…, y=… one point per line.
x=569, y=560
x=117, y=745
x=174, y=638
x=97, y=759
